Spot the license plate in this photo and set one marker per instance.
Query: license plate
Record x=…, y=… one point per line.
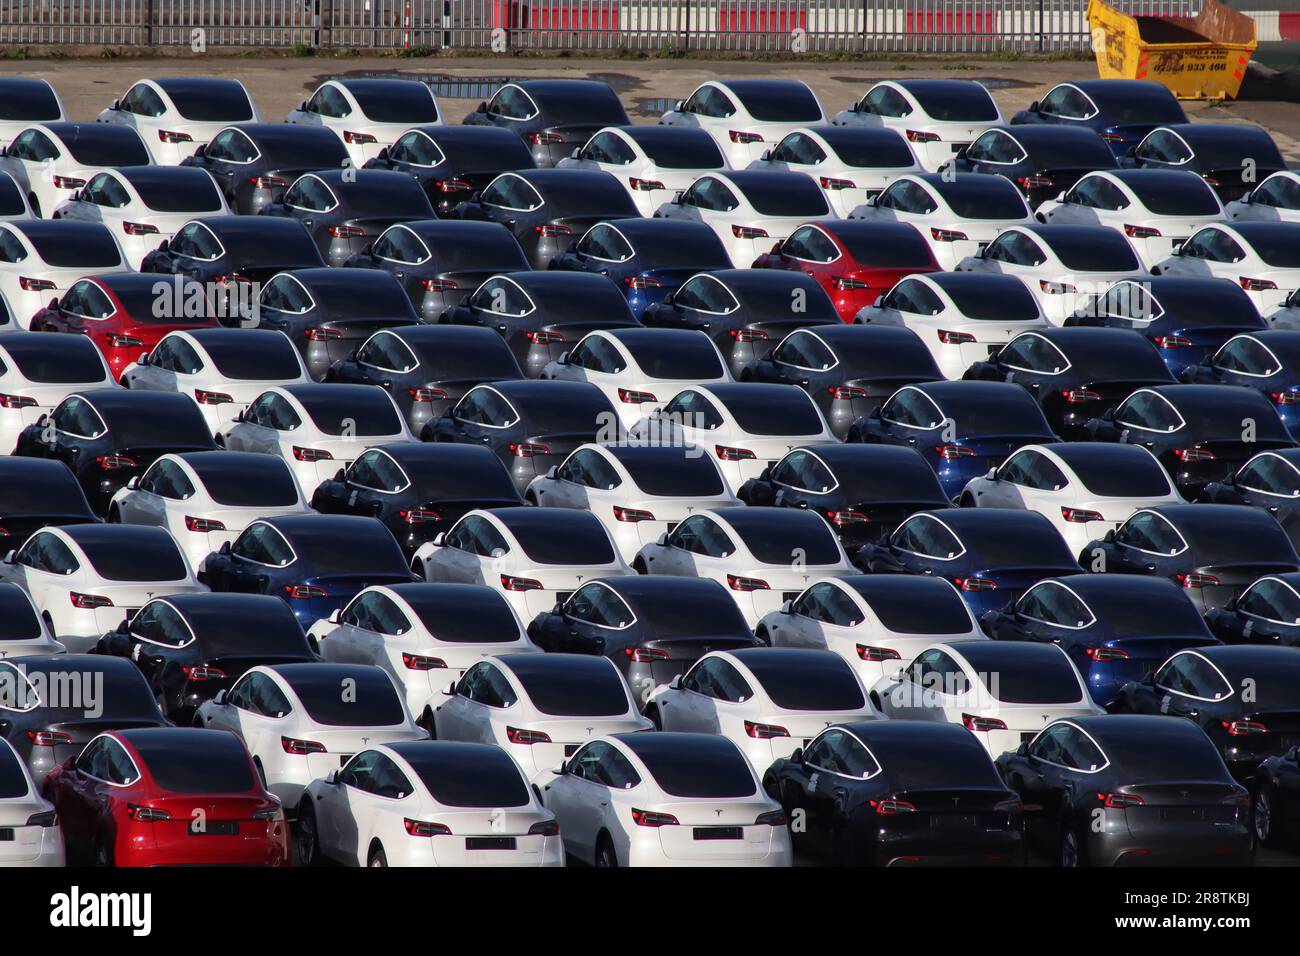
x=571, y=749
x=344, y=758
x=944, y=820
x=214, y=828
x=1182, y=814
x=489, y=843
x=719, y=833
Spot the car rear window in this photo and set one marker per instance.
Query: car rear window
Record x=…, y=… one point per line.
x=704, y=773
x=902, y=612
x=1023, y=547
x=34, y=104
x=680, y=475
x=1103, y=250
x=807, y=681
x=88, y=250
x=780, y=104
x=465, y=615
x=485, y=782
x=720, y=617
x=220, y=766
x=159, y=425
x=956, y=103
x=796, y=197
x=18, y=620
x=187, y=196
x=139, y=560
x=13, y=782
x=776, y=538
x=1028, y=677
x=396, y=103
x=906, y=249
x=991, y=416
x=123, y=693
x=107, y=151
x=677, y=357
x=1132, y=478
x=43, y=494
x=1281, y=251
x=574, y=691
x=994, y=301
x=971, y=198
x=685, y=152
x=879, y=152
x=212, y=103
x=69, y=364
x=340, y=414
x=1176, y=195
x=261, y=360
x=249, y=485
x=924, y=763
x=331, y=550
x=766, y=412
x=571, y=542
x=564, y=412
x=1144, y=759
x=373, y=701
x=1134, y=614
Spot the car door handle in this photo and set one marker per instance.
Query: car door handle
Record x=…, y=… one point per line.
x=399, y=275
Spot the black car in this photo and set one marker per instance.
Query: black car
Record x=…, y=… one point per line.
x=847, y=369
x=1130, y=791
x=1246, y=699
x=451, y=163
x=1231, y=157
x=1267, y=361
x=1121, y=112
x=1042, y=160
x=552, y=116
x=864, y=491
x=344, y=210
x=1269, y=481
x=1076, y=374
x=1212, y=551
x=900, y=793
x=329, y=313
x=1276, y=811
x=36, y=494
x=529, y=425
x=109, y=436
x=1267, y=612
x=189, y=646
x=652, y=627
x=542, y=315
x=1200, y=433
x=428, y=368
x=745, y=311
x=54, y=705
x=418, y=490
x=439, y=262
x=255, y=163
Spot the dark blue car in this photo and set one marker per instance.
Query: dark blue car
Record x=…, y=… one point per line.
x=1043, y=161
x=1268, y=612
x=1270, y=481
x=316, y=563
x=962, y=429
x=1267, y=361
x=1121, y=112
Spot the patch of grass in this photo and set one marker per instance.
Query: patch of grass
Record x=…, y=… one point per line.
x=303, y=49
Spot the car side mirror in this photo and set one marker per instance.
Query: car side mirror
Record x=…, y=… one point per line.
x=676, y=682
x=1110, y=536
x=553, y=471
x=785, y=608
x=336, y=615
x=225, y=548
x=561, y=770
x=677, y=198
x=679, y=106
x=220, y=698
x=481, y=108
x=1060, y=197
x=302, y=106
x=576, y=151
x=115, y=106
x=1023, y=749
x=239, y=416
x=767, y=154
x=11, y=557
x=1108, y=415
x=1132, y=152
x=871, y=200
x=1246, y=198
x=992, y=474
x=340, y=475
x=440, y=539
x=662, y=540
x=1176, y=249
x=797, y=755
x=133, y=484
x=880, y=301
x=383, y=154
x=563, y=359
x=54, y=303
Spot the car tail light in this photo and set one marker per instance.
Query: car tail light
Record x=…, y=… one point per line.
x=1081, y=515
x=427, y=394
x=452, y=185
x=417, y=662
x=976, y=584
x=68, y=182
x=552, y=231
x=359, y=139
x=529, y=737
x=268, y=182
x=439, y=285
x=114, y=462
x=16, y=401
x=1141, y=232
x=48, y=818
x=28, y=284
x=545, y=139
x=544, y=338
x=146, y=814
x=738, y=583
x=846, y=392
x=955, y=338
x=1055, y=288
x=1194, y=454
x=889, y=807
x=275, y=813
x=174, y=136
x=1170, y=341
x=48, y=738
x=877, y=655
x=1034, y=182
x=982, y=725
x=1077, y=396
x=645, y=185
x=1104, y=655
x=835, y=184
x=511, y=583
x=301, y=748
x=1242, y=728
x=1111, y=137
x=842, y=518
x=125, y=342
x=947, y=235
x=1193, y=579
x=203, y=672
x=304, y=592
x=644, y=655
x=1256, y=285
x=749, y=335
x=648, y=818
x=733, y=454
x=528, y=449
x=232, y=277
x=203, y=525
x=311, y=454
x=545, y=828
x=764, y=731
x=631, y=396
x=847, y=284
x=632, y=515
x=773, y=818
x=952, y=452
x=642, y=282
x=419, y=516
x=88, y=601
x=204, y=397
x=1281, y=398
x=139, y=229
x=1119, y=801
x=1009, y=805
x=749, y=232
x=347, y=232
x=740, y=136
x=323, y=335
x=422, y=828
x=921, y=136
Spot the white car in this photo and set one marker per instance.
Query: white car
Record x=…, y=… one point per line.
x=962, y=317
x=665, y=800
x=22, y=629
x=748, y=426
x=40, y=260
x=224, y=370
x=649, y=160
x=317, y=428
x=938, y=117
x=206, y=498
x=38, y=370
x=850, y=163
x=1157, y=209
x=424, y=635
x=635, y=366
x=52, y=160
x=1065, y=266
x=143, y=206
x=33, y=835
x=873, y=621
x=764, y=556
x=1084, y=488
x=638, y=491
x=750, y=211
x=1004, y=692
x=536, y=557
x=368, y=114
x=177, y=115
x=301, y=721
x=1276, y=199
x=539, y=708
x=745, y=116
x=85, y=579
x=768, y=701
x=958, y=216
x=28, y=100
x=1262, y=257
x=427, y=803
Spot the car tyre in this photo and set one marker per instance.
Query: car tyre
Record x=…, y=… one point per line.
x=606, y=855
x=1265, y=823
x=377, y=859
x=307, y=837
x=1069, y=852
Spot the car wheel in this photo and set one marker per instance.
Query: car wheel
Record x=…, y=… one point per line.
x=35, y=204
x=844, y=851
x=114, y=515
x=377, y=857
x=1070, y=850
x=606, y=857
x=307, y=843
x=1264, y=818
x=428, y=723
x=639, y=566
x=197, y=721
x=764, y=638
x=417, y=568
x=103, y=852
x=530, y=499
x=772, y=789
x=652, y=714
x=261, y=772
x=966, y=502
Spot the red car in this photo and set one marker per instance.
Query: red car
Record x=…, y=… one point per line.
x=167, y=796
x=126, y=314
x=853, y=260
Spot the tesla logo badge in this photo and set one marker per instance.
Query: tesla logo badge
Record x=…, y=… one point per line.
x=956, y=800
x=718, y=812
x=364, y=741
x=589, y=730
x=579, y=577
